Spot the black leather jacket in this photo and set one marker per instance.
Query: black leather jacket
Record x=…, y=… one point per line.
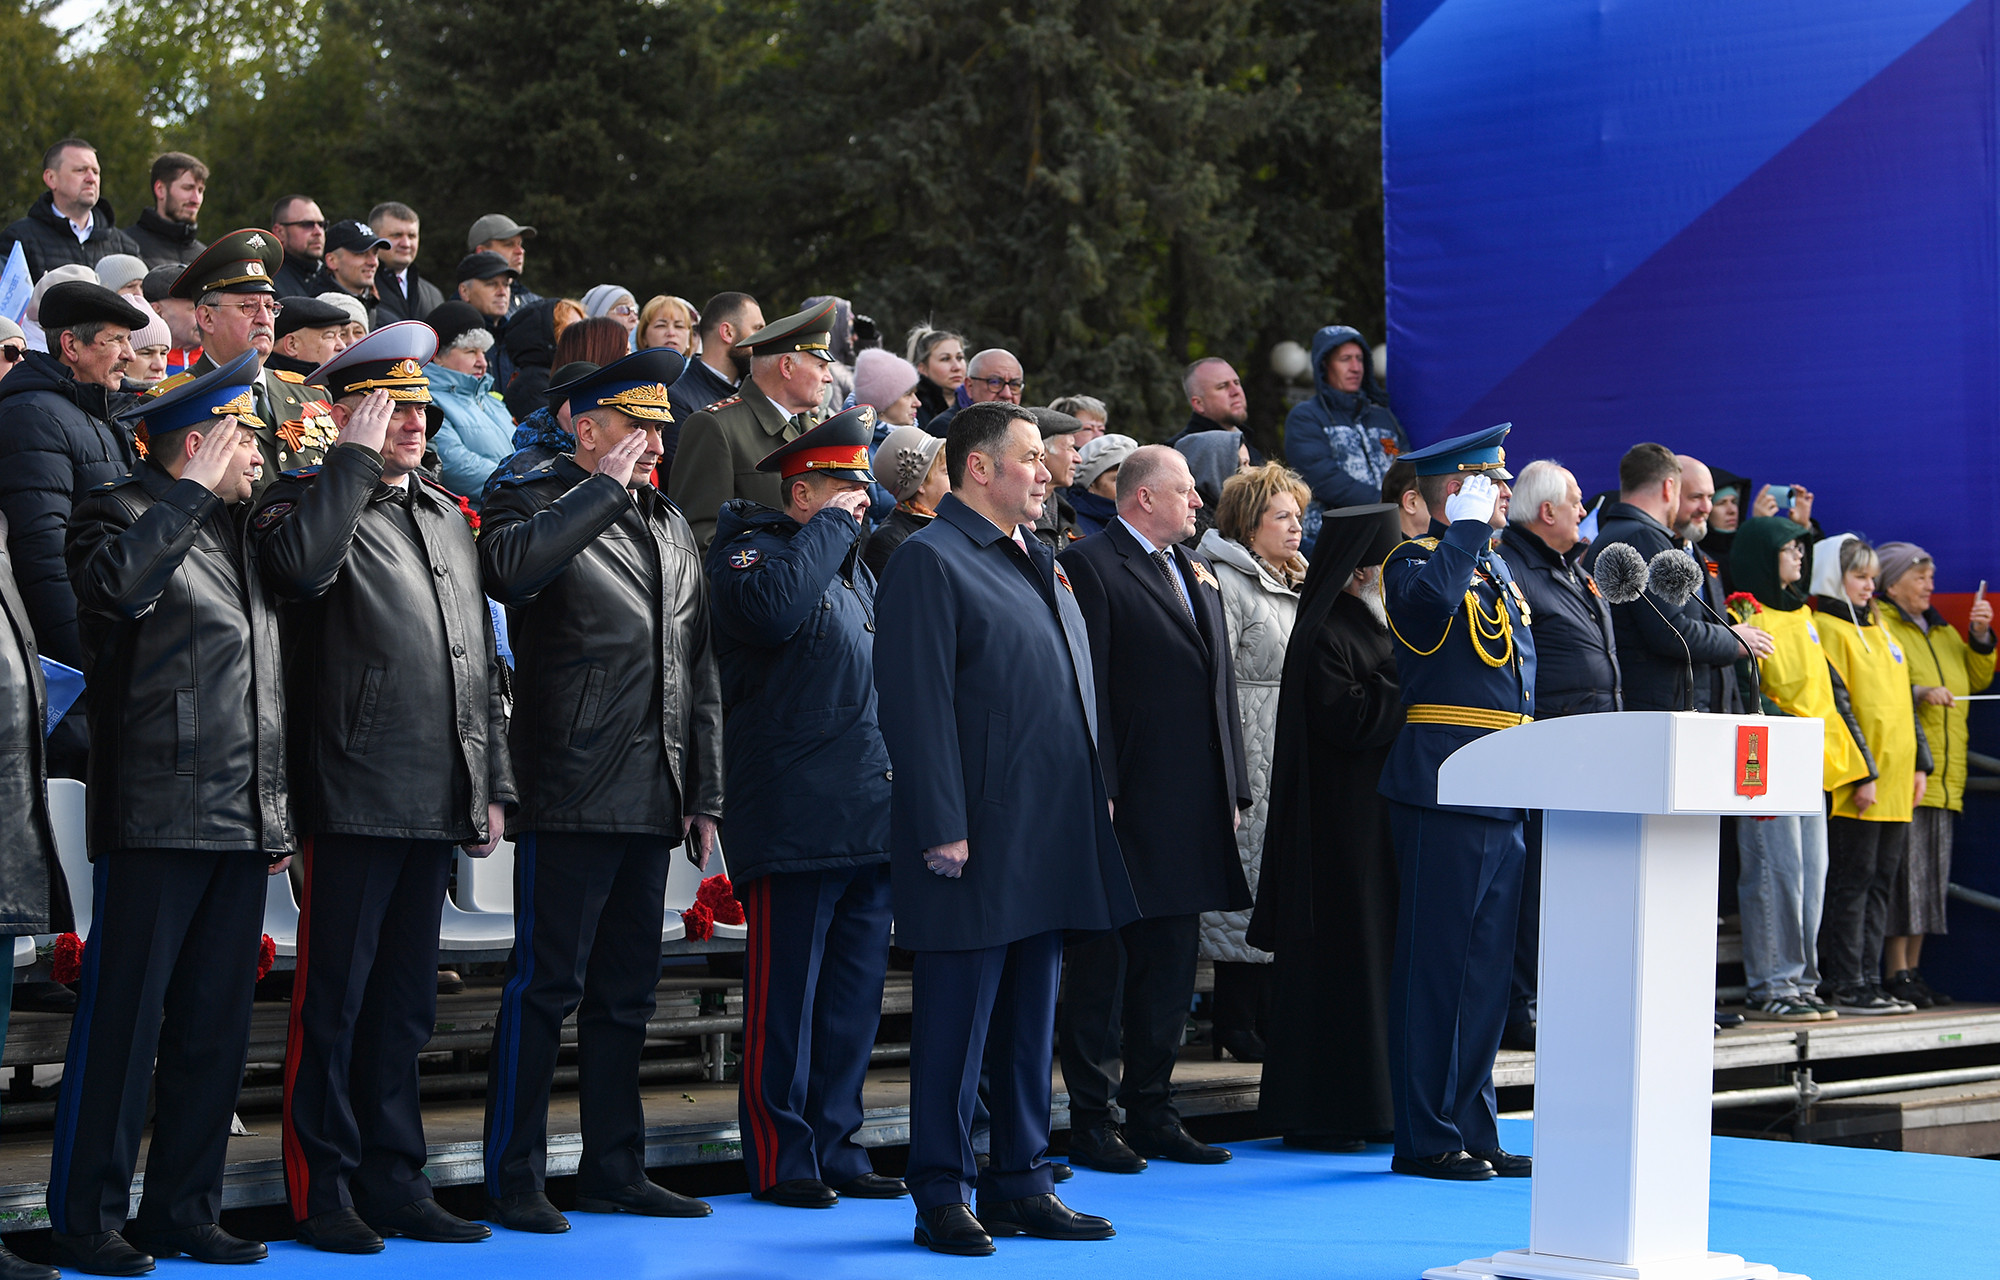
x=33, y=897
x=186, y=677
x=604, y=593
x=397, y=725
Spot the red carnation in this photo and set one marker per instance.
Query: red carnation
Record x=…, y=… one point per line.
x=1743, y=598
x=66, y=961
x=719, y=896
x=699, y=922
x=465, y=509
x=267, y=955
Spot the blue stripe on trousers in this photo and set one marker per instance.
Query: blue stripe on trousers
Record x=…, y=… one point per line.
x=76, y=1059
x=507, y=1032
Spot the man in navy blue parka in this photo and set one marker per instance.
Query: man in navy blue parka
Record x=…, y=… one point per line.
x=1000, y=832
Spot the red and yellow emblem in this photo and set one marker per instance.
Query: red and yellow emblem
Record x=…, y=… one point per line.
x=1753, y=759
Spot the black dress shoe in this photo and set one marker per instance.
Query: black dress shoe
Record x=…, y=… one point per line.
x=1338, y=1142
x=951, y=1228
x=1045, y=1217
x=1060, y=1172
x=103, y=1253
x=1506, y=1164
x=1103, y=1148
x=13, y=1268
x=1453, y=1166
x=341, y=1231
x=800, y=1193
x=426, y=1219
x=1244, y=1046
x=646, y=1198
x=1724, y=1020
x=1172, y=1142
x=873, y=1186
x=527, y=1211
x=204, y=1242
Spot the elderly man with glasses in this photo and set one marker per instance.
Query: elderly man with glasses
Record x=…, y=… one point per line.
x=993, y=374
x=236, y=309
x=58, y=440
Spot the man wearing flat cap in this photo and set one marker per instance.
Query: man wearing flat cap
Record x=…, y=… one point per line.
x=353, y=255
x=399, y=759
x=496, y=233
x=1465, y=655
x=184, y=827
x=58, y=439
x=721, y=446
x=236, y=309
x=308, y=334
x=617, y=734
x=809, y=785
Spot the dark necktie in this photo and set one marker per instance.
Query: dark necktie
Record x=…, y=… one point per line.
x=1164, y=559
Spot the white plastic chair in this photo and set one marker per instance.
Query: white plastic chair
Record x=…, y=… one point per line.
x=281, y=914
x=72, y=851
x=480, y=929
x=486, y=885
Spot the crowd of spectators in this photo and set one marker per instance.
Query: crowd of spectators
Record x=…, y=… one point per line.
x=1228, y=636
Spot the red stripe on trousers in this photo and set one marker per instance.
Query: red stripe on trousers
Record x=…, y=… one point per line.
x=298, y=1177
x=757, y=999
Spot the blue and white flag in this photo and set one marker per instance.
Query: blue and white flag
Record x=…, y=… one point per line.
x=15, y=287
x=65, y=686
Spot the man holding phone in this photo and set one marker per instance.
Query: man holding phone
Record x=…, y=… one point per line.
x=618, y=730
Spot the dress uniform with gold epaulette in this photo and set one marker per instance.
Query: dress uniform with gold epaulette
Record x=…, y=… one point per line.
x=721, y=446
x=298, y=425
x=1465, y=657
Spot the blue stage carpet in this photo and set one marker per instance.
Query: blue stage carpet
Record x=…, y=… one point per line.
x=1831, y=1213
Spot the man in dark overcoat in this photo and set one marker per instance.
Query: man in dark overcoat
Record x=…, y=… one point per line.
x=1173, y=765
x=1000, y=834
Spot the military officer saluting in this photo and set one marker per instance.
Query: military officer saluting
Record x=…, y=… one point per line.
x=237, y=310
x=617, y=733
x=1466, y=659
x=809, y=824
x=721, y=446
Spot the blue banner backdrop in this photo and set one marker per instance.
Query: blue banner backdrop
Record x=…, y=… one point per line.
x=1762, y=234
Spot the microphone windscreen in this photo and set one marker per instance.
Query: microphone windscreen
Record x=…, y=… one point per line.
x=1620, y=573
x=1673, y=575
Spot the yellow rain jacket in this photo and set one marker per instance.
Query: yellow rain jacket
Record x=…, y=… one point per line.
x=1877, y=674
x=1942, y=657
x=1795, y=679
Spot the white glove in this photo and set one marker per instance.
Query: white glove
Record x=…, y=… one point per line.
x=1474, y=501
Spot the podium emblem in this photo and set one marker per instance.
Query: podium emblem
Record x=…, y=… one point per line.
x=1753, y=759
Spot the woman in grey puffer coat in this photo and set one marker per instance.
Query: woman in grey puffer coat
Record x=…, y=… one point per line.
x=1255, y=550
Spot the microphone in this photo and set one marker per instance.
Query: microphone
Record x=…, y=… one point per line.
x=1674, y=583
x=1620, y=573
x=1756, y=674
x=1674, y=576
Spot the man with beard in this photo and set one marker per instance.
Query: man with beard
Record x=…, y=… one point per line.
x=1466, y=658
x=236, y=309
x=165, y=233
x=1327, y=900
x=1697, y=502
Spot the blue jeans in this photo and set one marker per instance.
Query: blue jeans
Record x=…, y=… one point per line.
x=1779, y=891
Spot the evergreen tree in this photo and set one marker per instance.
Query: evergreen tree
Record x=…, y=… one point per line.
x=51, y=96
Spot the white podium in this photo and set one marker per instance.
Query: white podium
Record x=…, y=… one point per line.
x=1624, y=1052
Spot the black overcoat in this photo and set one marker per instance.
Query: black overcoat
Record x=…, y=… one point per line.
x=1173, y=743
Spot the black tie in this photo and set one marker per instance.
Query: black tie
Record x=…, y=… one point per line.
x=1164, y=559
